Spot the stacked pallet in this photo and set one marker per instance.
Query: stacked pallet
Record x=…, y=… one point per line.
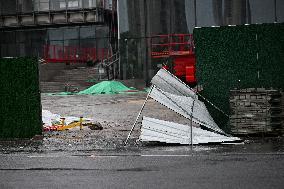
x=256, y=111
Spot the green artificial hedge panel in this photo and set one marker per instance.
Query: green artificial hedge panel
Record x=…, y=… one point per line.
x=20, y=98
x=271, y=55
x=237, y=57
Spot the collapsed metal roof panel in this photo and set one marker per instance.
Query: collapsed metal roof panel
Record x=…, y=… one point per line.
x=171, y=84
x=170, y=132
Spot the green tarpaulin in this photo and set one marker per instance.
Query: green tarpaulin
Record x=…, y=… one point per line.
x=106, y=87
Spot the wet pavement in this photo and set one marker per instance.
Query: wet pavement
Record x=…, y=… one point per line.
x=99, y=159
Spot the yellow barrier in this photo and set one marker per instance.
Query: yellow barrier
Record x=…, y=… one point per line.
x=63, y=127
x=81, y=123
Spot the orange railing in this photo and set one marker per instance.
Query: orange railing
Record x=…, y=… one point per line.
x=172, y=44
x=73, y=54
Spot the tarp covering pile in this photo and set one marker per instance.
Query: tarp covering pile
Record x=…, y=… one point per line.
x=106, y=87
x=177, y=96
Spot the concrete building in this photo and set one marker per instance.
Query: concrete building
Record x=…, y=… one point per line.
x=57, y=30
x=72, y=30
x=142, y=19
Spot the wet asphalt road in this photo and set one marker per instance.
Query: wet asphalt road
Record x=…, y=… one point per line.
x=98, y=159
x=164, y=167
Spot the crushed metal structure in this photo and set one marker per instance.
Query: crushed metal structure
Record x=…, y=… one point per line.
x=171, y=92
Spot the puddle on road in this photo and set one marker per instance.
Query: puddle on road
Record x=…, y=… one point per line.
x=111, y=140
x=136, y=169
x=107, y=145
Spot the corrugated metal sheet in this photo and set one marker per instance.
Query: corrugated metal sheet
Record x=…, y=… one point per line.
x=171, y=84
x=241, y=57
x=183, y=106
x=155, y=130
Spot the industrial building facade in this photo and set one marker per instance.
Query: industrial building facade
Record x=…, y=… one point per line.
x=57, y=30
x=140, y=20
x=73, y=30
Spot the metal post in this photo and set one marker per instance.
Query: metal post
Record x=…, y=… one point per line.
x=275, y=11
x=100, y=68
x=266, y=114
x=125, y=64
x=195, y=14
x=81, y=123
x=62, y=121
x=114, y=71
x=170, y=29
x=133, y=126
x=191, y=116
x=146, y=32
x=54, y=52
x=118, y=39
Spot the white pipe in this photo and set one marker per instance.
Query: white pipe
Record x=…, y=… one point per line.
x=133, y=126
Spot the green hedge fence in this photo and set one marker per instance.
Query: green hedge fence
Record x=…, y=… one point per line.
x=231, y=57
x=19, y=98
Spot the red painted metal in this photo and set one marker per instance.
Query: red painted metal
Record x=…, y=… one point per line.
x=190, y=74
x=180, y=47
x=72, y=54
x=172, y=44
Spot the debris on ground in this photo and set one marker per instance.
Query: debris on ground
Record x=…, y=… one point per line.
x=170, y=132
x=61, y=94
x=175, y=95
x=94, y=126
x=54, y=122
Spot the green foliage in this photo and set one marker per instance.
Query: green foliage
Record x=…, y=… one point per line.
x=19, y=98
x=227, y=59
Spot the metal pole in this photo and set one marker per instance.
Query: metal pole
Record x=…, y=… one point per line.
x=113, y=70
x=191, y=116
x=275, y=11
x=81, y=123
x=195, y=13
x=127, y=63
x=133, y=126
x=146, y=28
x=170, y=30
x=118, y=39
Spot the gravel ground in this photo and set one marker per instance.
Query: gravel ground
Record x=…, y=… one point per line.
x=98, y=159
x=116, y=113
